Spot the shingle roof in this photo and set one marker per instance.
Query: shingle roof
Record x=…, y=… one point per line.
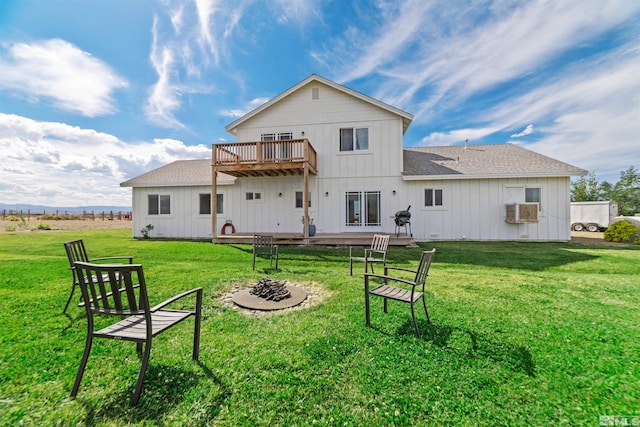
x=179, y=173
x=477, y=161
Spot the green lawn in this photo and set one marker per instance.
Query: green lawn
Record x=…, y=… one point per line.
x=523, y=334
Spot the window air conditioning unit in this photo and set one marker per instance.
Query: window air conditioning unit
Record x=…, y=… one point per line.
x=519, y=213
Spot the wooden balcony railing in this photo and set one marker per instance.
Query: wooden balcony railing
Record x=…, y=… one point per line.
x=264, y=157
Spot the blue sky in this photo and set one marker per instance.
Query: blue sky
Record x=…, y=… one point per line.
x=95, y=92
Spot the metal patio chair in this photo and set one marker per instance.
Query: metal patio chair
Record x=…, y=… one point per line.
x=408, y=291
x=377, y=253
x=124, y=293
x=263, y=246
x=76, y=251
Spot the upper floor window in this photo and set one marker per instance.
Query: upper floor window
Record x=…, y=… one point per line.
x=432, y=197
x=159, y=204
x=281, y=136
x=253, y=196
x=352, y=139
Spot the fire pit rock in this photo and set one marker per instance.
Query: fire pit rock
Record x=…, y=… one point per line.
x=268, y=295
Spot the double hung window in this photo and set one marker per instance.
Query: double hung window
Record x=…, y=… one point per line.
x=354, y=139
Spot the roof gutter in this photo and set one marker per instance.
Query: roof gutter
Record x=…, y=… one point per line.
x=487, y=176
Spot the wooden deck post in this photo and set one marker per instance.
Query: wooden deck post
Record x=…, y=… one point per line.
x=305, y=195
x=214, y=196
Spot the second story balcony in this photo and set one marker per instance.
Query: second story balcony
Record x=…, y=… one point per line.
x=265, y=158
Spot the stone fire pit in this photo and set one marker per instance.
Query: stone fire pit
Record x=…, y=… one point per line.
x=268, y=295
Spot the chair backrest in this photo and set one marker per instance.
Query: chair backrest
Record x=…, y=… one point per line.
x=380, y=242
x=260, y=241
x=76, y=252
x=423, y=267
x=117, y=289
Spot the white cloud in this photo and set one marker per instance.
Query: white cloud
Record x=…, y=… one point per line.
x=60, y=72
x=61, y=165
x=538, y=56
x=164, y=96
x=527, y=131
x=297, y=11
x=239, y=112
x=458, y=136
x=435, y=55
x=193, y=47
x=586, y=116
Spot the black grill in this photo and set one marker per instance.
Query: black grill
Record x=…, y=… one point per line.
x=403, y=219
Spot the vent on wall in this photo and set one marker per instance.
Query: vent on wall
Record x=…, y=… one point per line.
x=315, y=93
x=518, y=213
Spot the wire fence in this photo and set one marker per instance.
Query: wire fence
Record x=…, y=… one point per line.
x=65, y=215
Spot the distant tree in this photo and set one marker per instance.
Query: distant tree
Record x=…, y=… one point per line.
x=626, y=192
x=587, y=189
x=607, y=190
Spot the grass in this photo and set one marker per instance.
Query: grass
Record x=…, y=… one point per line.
x=523, y=334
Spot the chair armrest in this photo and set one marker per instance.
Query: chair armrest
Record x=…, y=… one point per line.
x=130, y=258
x=407, y=270
x=175, y=298
x=392, y=278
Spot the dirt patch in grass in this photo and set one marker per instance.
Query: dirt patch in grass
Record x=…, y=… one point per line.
x=37, y=225
x=593, y=239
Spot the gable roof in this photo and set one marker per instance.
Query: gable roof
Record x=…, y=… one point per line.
x=179, y=173
x=407, y=118
x=481, y=161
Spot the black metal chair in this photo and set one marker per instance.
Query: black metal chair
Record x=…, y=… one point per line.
x=408, y=291
x=374, y=254
x=263, y=246
x=76, y=252
x=125, y=294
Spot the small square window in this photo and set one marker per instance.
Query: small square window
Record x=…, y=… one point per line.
x=205, y=204
x=219, y=204
x=299, y=201
x=432, y=197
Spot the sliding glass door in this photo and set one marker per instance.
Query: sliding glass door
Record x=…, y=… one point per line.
x=362, y=210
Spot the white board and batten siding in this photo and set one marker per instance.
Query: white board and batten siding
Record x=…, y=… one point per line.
x=475, y=209
x=321, y=120
x=184, y=221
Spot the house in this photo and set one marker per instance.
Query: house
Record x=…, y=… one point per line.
x=324, y=152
